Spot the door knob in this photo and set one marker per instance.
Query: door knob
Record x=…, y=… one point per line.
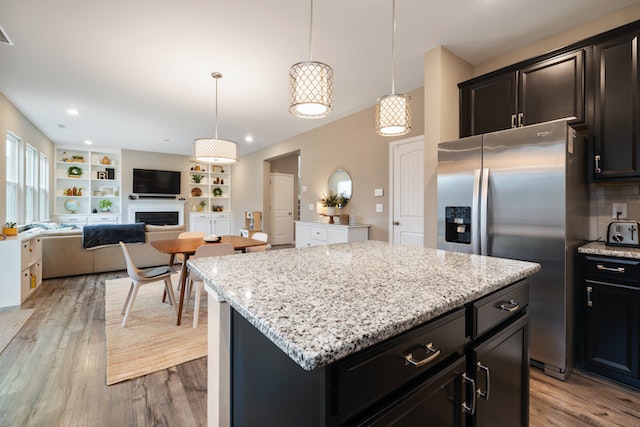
x=396, y=222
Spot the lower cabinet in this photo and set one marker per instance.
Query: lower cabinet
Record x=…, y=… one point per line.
x=210, y=223
x=21, y=263
x=317, y=234
x=441, y=373
x=612, y=318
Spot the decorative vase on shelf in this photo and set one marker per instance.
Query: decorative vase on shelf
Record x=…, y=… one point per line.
x=331, y=210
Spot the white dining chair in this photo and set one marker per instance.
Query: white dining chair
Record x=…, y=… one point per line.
x=264, y=237
x=141, y=277
x=195, y=281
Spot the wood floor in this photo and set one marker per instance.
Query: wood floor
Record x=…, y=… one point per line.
x=53, y=374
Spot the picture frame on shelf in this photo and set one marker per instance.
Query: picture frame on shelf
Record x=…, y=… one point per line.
x=217, y=169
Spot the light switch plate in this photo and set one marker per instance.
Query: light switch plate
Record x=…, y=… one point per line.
x=311, y=206
x=378, y=192
x=303, y=189
x=378, y=207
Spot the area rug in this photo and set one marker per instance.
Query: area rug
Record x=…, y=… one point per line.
x=11, y=321
x=151, y=341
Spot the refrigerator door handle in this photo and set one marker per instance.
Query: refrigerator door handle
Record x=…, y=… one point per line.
x=483, y=211
x=475, y=212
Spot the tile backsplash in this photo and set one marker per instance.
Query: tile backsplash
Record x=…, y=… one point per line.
x=602, y=199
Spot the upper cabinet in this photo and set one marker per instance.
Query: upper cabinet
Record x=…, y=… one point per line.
x=87, y=186
x=530, y=93
x=617, y=109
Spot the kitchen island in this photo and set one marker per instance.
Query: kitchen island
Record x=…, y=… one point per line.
x=302, y=321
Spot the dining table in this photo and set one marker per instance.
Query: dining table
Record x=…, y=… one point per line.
x=188, y=247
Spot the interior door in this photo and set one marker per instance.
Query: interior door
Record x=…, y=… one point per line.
x=407, y=199
x=281, y=209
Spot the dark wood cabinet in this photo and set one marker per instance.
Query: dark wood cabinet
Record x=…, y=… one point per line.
x=612, y=318
x=467, y=367
x=488, y=105
x=525, y=94
x=617, y=109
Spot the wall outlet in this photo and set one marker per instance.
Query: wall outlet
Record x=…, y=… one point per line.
x=621, y=208
x=378, y=192
x=311, y=206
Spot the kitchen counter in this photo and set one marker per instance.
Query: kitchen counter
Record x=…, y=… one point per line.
x=600, y=248
x=321, y=304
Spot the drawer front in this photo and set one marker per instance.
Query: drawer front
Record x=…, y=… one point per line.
x=372, y=374
x=319, y=233
x=72, y=219
x=613, y=269
x=497, y=307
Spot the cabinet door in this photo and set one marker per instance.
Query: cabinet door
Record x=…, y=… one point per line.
x=303, y=235
x=488, y=105
x=552, y=89
x=617, y=118
x=612, y=329
x=500, y=366
x=436, y=402
x=221, y=225
x=202, y=225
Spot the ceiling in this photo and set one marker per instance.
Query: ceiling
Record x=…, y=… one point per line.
x=139, y=71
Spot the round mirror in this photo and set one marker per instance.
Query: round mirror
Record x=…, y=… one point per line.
x=340, y=183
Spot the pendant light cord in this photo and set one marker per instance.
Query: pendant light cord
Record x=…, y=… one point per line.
x=393, y=49
x=216, y=76
x=311, y=31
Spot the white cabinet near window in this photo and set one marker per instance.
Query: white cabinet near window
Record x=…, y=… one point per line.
x=318, y=233
x=21, y=265
x=210, y=223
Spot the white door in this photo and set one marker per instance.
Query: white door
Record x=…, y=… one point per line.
x=407, y=196
x=281, y=209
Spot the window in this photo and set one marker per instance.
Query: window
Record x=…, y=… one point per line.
x=13, y=177
x=27, y=182
x=30, y=183
x=43, y=202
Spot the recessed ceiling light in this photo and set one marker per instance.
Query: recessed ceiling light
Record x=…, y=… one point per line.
x=88, y=142
x=72, y=112
x=248, y=138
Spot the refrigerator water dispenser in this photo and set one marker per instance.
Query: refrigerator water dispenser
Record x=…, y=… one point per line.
x=458, y=224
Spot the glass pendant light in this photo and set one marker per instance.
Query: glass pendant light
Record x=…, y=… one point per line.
x=311, y=85
x=215, y=150
x=393, y=112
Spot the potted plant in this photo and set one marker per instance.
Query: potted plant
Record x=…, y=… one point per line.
x=9, y=229
x=330, y=201
x=197, y=178
x=105, y=205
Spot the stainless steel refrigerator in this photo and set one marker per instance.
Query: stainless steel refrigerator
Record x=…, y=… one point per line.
x=522, y=194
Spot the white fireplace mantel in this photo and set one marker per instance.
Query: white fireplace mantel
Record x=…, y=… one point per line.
x=156, y=205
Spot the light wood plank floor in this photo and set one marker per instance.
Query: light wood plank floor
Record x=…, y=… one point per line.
x=53, y=374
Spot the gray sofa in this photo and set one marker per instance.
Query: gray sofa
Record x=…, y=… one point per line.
x=63, y=255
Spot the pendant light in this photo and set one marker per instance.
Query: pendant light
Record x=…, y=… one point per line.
x=311, y=85
x=393, y=112
x=215, y=150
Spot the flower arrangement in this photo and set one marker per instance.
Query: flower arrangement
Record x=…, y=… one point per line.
x=333, y=200
x=9, y=229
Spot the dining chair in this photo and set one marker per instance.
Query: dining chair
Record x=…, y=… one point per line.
x=141, y=277
x=259, y=236
x=180, y=257
x=196, y=281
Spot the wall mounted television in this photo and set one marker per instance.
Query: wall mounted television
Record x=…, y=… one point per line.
x=156, y=182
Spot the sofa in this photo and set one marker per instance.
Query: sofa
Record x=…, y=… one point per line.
x=63, y=254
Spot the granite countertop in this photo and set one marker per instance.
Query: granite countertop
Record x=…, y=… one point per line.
x=320, y=304
x=601, y=248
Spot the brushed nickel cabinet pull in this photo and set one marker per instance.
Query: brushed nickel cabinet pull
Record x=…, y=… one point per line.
x=487, y=382
x=589, y=302
x=432, y=355
x=612, y=269
x=513, y=120
x=597, y=159
x=469, y=409
x=520, y=119
x=510, y=305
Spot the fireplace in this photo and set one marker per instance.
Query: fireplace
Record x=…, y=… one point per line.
x=158, y=218
x=157, y=212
